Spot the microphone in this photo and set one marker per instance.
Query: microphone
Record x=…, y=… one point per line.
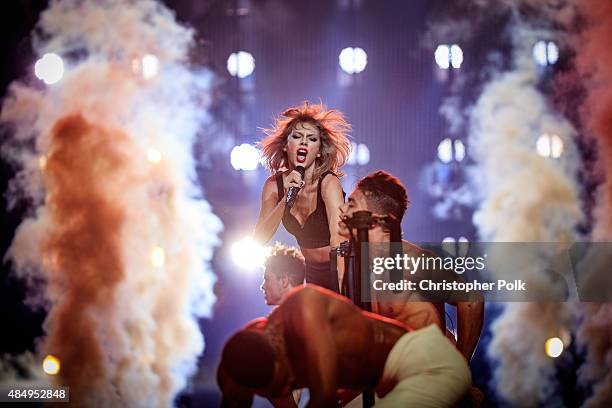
x=293, y=191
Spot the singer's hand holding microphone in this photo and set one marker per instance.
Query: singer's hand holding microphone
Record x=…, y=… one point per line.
x=293, y=182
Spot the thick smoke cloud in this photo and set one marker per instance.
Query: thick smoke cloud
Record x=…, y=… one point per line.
x=521, y=196
x=120, y=233
x=527, y=198
x=524, y=198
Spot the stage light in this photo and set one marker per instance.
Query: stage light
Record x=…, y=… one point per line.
x=553, y=347
x=456, y=247
x=448, y=245
x=359, y=155
x=241, y=64
x=441, y=56
x=353, y=60
x=445, y=150
x=49, y=68
x=154, y=155
x=447, y=56
x=459, y=150
x=549, y=145
x=51, y=365
x=150, y=66
x=461, y=239
x=449, y=150
x=546, y=53
x=553, y=53
x=158, y=257
x=363, y=154
x=244, y=157
x=556, y=146
x=456, y=56
x=249, y=254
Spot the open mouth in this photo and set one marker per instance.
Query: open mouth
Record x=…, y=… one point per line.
x=301, y=155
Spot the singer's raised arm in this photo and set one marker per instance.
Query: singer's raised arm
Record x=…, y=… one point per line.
x=270, y=213
x=273, y=203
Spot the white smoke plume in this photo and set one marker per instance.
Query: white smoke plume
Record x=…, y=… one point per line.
x=525, y=197
x=120, y=233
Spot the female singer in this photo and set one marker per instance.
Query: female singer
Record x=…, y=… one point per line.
x=314, y=138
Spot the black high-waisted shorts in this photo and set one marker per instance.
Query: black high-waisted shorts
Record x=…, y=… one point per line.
x=318, y=273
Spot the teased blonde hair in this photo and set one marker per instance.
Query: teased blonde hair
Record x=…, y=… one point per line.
x=333, y=128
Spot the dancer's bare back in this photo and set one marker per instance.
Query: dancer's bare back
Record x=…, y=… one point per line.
x=329, y=344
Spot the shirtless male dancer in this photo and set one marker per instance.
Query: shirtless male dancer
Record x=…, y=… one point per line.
x=383, y=194
x=319, y=340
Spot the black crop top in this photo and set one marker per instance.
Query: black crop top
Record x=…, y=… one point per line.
x=315, y=233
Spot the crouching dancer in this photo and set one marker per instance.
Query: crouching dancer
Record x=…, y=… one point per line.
x=320, y=341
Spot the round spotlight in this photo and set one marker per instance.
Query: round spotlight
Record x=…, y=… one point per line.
x=441, y=55
x=556, y=146
x=445, y=150
x=449, y=244
x=363, y=155
x=553, y=347
x=353, y=60
x=244, y=157
x=51, y=365
x=150, y=66
x=459, y=150
x=539, y=52
x=158, y=257
x=552, y=52
x=549, y=145
x=249, y=254
x=240, y=64
x=49, y=68
x=361, y=59
x=456, y=56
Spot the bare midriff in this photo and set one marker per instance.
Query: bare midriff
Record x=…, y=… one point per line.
x=318, y=255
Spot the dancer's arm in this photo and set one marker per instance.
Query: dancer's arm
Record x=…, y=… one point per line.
x=309, y=323
x=233, y=395
x=470, y=316
x=331, y=191
x=470, y=312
